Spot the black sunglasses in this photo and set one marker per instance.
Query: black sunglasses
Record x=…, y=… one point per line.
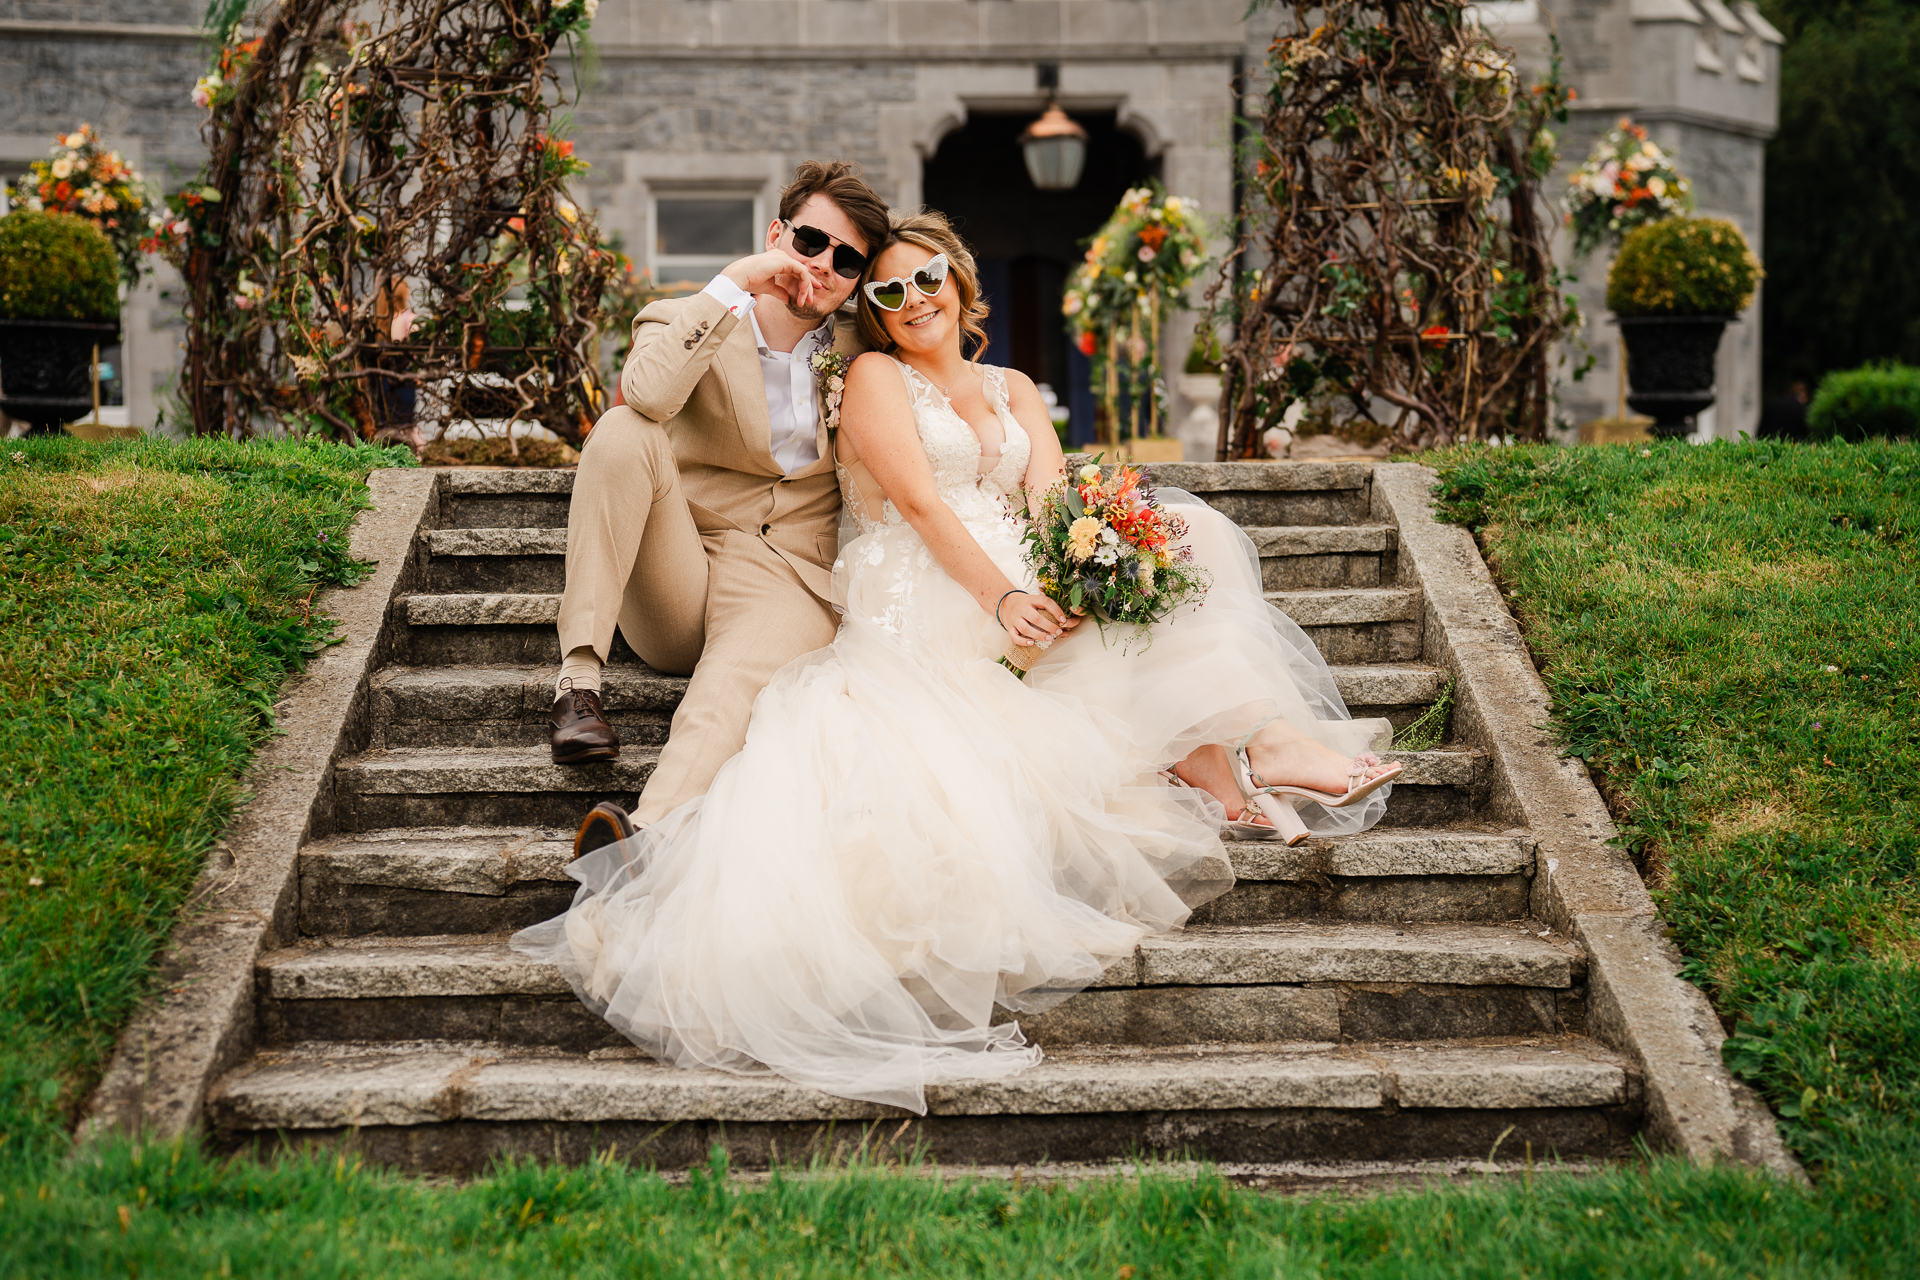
x=848, y=262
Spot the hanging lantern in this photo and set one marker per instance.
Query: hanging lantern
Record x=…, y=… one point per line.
x=1056, y=150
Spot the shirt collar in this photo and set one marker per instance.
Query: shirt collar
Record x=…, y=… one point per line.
x=822, y=338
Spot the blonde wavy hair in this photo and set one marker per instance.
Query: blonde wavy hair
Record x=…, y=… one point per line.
x=929, y=230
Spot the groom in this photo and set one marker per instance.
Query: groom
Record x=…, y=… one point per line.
x=705, y=515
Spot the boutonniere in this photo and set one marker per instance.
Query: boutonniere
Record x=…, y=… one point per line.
x=830, y=367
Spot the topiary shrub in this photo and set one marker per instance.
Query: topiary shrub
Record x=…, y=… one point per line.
x=56, y=266
x=1879, y=400
x=1683, y=267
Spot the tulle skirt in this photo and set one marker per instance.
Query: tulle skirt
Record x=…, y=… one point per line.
x=912, y=835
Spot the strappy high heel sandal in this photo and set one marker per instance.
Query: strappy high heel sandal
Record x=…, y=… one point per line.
x=1239, y=828
x=1269, y=799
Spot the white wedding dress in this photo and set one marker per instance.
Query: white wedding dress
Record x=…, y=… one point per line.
x=912, y=835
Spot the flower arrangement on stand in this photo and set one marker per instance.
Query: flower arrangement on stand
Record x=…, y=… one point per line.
x=1627, y=181
x=1102, y=544
x=84, y=178
x=1137, y=268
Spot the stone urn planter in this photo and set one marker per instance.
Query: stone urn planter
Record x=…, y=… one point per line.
x=1670, y=367
x=46, y=369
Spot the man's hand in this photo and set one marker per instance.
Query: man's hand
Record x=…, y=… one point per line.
x=777, y=273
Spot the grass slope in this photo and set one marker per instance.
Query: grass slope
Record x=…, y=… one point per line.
x=152, y=597
x=163, y=1212
x=1731, y=637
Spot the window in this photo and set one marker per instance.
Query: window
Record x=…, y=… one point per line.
x=695, y=234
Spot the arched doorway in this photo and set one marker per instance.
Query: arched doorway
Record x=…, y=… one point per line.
x=1027, y=240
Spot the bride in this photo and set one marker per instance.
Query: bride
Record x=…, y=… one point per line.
x=911, y=834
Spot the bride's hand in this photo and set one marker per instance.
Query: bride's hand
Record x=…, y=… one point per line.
x=1032, y=619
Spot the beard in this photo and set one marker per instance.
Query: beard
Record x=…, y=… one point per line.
x=822, y=308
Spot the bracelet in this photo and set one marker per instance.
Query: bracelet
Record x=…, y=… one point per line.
x=1002, y=600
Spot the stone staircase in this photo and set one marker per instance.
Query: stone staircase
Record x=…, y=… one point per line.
x=1382, y=997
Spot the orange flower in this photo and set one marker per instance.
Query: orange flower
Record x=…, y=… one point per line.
x=1086, y=343
x=1435, y=335
x=1153, y=237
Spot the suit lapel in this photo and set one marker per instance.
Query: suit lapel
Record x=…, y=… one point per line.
x=747, y=385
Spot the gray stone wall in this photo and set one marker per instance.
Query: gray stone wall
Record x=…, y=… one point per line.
x=735, y=92
x=127, y=67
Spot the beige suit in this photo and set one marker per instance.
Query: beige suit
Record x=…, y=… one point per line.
x=685, y=534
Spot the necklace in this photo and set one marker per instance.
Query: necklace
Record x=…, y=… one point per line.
x=950, y=382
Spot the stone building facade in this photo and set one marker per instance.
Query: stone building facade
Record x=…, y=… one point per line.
x=695, y=110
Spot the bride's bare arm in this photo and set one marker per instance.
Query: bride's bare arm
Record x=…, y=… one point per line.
x=1047, y=464
x=876, y=417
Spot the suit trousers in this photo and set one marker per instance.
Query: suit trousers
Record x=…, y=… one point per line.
x=722, y=605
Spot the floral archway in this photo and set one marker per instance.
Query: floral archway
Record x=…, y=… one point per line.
x=383, y=234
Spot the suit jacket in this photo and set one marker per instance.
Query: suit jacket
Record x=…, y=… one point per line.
x=695, y=370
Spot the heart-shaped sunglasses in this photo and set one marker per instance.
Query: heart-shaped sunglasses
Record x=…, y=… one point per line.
x=891, y=295
x=848, y=262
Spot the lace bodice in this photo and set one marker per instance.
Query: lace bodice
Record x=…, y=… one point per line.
x=954, y=452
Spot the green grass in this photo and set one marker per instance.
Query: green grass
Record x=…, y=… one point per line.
x=152, y=598
x=1687, y=605
x=1731, y=638
x=163, y=1212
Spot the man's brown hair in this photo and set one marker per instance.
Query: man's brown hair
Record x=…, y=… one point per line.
x=840, y=182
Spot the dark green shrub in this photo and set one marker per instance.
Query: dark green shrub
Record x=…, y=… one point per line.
x=1879, y=400
x=55, y=266
x=1683, y=267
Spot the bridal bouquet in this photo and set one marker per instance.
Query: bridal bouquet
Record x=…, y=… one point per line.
x=1102, y=545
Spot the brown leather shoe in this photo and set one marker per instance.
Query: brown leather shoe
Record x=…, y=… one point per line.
x=606, y=823
x=580, y=729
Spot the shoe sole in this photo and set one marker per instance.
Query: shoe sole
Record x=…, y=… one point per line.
x=588, y=755
x=597, y=820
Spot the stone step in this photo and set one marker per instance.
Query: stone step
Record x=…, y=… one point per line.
x=501, y=706
x=533, y=560
x=1293, y=980
x=520, y=785
x=1304, y=556
x=482, y=560
x=453, y=1108
x=480, y=786
x=475, y=498
x=486, y=880
x=1252, y=493
x=1312, y=607
x=1351, y=625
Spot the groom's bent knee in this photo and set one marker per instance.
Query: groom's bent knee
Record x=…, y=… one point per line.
x=627, y=445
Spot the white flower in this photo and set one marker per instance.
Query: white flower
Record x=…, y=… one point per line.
x=1658, y=186
x=62, y=168
x=591, y=7
x=1109, y=537
x=1089, y=473
x=1106, y=555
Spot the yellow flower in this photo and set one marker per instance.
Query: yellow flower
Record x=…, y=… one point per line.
x=1082, y=536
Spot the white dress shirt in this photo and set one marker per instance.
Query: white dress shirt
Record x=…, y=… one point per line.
x=793, y=408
